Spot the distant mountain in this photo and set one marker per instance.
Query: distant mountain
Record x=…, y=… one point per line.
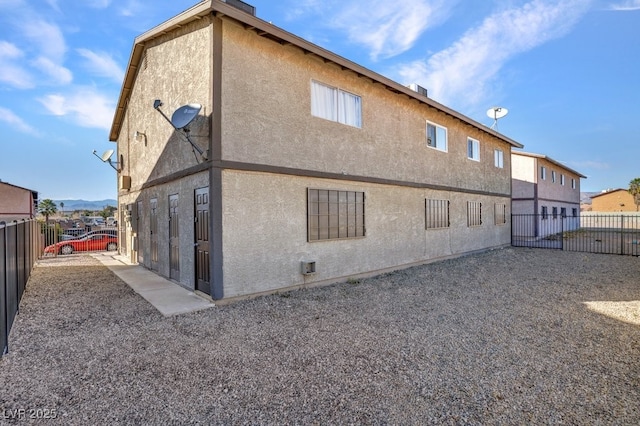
x=585, y=197
x=71, y=205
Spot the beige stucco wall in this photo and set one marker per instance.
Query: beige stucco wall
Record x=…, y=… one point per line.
x=615, y=201
x=176, y=69
x=555, y=191
x=265, y=231
x=275, y=126
x=15, y=203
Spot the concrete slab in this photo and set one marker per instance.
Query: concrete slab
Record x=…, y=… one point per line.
x=167, y=297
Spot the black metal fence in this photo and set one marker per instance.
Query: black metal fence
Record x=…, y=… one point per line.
x=589, y=232
x=20, y=244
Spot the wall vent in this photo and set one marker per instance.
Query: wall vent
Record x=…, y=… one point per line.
x=242, y=6
x=419, y=89
x=308, y=268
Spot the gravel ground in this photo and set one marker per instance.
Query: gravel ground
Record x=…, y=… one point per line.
x=513, y=336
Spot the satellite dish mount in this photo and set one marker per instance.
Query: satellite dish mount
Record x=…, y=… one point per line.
x=181, y=119
x=496, y=113
x=106, y=158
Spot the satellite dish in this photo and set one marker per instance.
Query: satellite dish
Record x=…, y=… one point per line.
x=496, y=113
x=106, y=158
x=107, y=155
x=185, y=115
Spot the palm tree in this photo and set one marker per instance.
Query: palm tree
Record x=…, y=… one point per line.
x=634, y=189
x=62, y=207
x=47, y=208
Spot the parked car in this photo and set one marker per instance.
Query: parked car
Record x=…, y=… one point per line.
x=113, y=232
x=94, y=242
x=72, y=233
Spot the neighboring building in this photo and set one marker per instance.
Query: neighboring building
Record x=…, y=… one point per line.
x=546, y=188
x=315, y=169
x=614, y=200
x=17, y=203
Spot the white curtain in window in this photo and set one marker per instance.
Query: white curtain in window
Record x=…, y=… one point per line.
x=324, y=101
x=349, y=109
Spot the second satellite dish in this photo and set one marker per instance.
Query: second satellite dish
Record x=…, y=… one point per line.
x=106, y=156
x=185, y=115
x=496, y=113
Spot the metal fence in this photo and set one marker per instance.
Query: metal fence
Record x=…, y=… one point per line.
x=590, y=232
x=20, y=244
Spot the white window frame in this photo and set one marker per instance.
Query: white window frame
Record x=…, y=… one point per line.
x=440, y=132
x=573, y=183
x=334, y=104
x=561, y=179
x=543, y=172
x=473, y=149
x=498, y=158
x=553, y=176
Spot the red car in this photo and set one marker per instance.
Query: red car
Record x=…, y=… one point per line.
x=95, y=242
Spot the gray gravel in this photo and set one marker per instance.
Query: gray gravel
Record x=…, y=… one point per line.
x=513, y=336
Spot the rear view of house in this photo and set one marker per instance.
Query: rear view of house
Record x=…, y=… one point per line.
x=253, y=161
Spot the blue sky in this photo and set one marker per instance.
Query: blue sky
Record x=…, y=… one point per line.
x=568, y=72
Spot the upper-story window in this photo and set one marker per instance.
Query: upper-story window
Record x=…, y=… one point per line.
x=498, y=158
x=561, y=179
x=436, y=136
x=553, y=176
x=335, y=104
x=473, y=149
x=573, y=184
x=543, y=173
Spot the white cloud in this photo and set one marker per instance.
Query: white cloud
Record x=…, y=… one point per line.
x=85, y=107
x=47, y=37
x=16, y=122
x=58, y=73
x=11, y=70
x=465, y=71
x=626, y=5
x=390, y=28
x=102, y=64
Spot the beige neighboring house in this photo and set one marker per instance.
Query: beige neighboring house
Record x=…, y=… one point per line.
x=614, y=200
x=17, y=203
x=314, y=169
x=546, y=188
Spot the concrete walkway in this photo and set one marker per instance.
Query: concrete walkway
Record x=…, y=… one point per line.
x=167, y=297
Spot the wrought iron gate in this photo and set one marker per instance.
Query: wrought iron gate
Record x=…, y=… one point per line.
x=591, y=233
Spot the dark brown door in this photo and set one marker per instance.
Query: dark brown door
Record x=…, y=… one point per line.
x=153, y=230
x=174, y=239
x=202, y=240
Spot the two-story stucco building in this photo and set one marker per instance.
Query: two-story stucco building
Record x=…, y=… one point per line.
x=547, y=189
x=313, y=168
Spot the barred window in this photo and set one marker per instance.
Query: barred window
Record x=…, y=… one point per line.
x=501, y=214
x=474, y=213
x=563, y=212
x=544, y=212
x=554, y=212
x=574, y=212
x=436, y=214
x=334, y=214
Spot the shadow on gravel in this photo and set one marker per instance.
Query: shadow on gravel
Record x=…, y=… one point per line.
x=509, y=336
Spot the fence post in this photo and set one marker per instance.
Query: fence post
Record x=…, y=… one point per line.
x=622, y=234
